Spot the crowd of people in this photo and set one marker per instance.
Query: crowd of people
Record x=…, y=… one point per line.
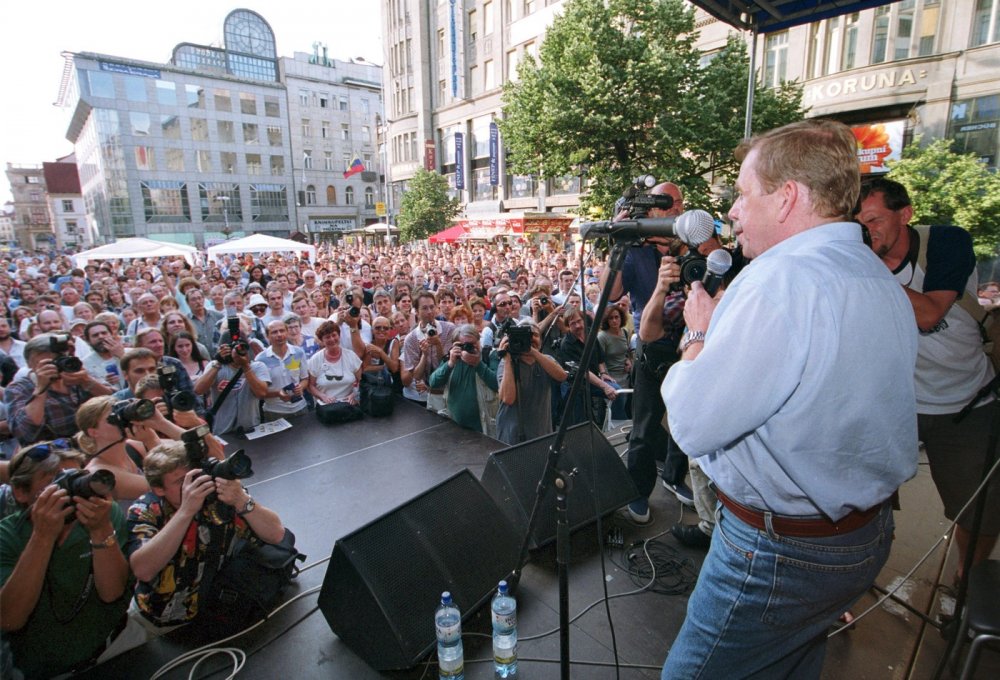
x=111, y=366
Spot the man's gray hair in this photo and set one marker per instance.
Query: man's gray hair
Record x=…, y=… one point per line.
x=39, y=343
x=467, y=330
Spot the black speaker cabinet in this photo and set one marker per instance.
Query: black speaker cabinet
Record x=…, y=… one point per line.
x=385, y=580
x=602, y=483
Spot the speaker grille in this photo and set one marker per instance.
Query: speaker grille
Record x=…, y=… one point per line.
x=385, y=580
x=602, y=483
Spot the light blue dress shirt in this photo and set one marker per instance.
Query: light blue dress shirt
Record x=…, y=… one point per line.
x=802, y=400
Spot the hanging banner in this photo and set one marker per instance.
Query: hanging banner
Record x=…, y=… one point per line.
x=430, y=160
x=459, y=160
x=494, y=154
x=877, y=144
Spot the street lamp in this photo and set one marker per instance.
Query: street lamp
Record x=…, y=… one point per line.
x=225, y=214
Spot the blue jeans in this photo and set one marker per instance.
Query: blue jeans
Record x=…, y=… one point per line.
x=763, y=602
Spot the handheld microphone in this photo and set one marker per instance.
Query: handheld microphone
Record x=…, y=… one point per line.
x=716, y=265
x=693, y=227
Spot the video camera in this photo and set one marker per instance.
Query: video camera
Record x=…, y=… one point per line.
x=64, y=362
x=518, y=338
x=638, y=201
x=176, y=398
x=236, y=344
x=128, y=411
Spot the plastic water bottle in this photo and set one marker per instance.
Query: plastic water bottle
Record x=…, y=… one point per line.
x=448, y=623
x=504, y=633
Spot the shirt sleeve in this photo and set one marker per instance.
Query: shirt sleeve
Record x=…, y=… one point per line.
x=16, y=397
x=950, y=260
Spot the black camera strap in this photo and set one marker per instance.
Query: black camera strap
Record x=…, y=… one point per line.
x=225, y=393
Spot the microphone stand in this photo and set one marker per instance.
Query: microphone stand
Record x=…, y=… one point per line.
x=562, y=480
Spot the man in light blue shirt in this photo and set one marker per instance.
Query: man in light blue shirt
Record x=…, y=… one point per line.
x=794, y=395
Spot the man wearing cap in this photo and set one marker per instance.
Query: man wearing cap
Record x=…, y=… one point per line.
x=805, y=468
x=258, y=308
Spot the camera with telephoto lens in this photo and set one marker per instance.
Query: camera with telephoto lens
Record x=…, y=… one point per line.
x=237, y=466
x=124, y=413
x=349, y=299
x=177, y=399
x=236, y=344
x=64, y=362
x=518, y=338
x=86, y=484
x=195, y=445
x=638, y=201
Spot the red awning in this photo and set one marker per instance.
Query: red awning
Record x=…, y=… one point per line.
x=449, y=235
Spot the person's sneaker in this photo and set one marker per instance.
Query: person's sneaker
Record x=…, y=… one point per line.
x=638, y=511
x=691, y=536
x=682, y=491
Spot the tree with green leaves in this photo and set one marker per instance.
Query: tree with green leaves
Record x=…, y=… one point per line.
x=620, y=91
x=426, y=207
x=950, y=188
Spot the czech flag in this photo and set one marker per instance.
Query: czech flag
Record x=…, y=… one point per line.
x=355, y=167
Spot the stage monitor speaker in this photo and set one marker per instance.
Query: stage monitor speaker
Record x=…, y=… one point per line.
x=602, y=483
x=385, y=580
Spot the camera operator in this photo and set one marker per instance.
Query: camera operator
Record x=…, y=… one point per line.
x=152, y=339
x=600, y=386
x=241, y=407
x=103, y=362
x=423, y=350
x=525, y=380
x=177, y=534
x=471, y=382
x=63, y=576
x=43, y=403
x=352, y=325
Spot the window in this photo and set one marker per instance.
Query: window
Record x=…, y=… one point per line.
x=145, y=158
x=349, y=195
x=101, y=84
x=272, y=109
x=274, y=135
x=223, y=100
x=277, y=165
x=442, y=90
x=487, y=17
x=306, y=128
x=199, y=129
x=268, y=202
x=248, y=104
x=174, y=159
x=227, y=162
x=366, y=134
x=345, y=131
x=251, y=134
x=489, y=76
x=170, y=127
x=905, y=29
x=36, y=196
x=328, y=160
x=833, y=45
x=342, y=102
x=324, y=100
x=369, y=197
x=165, y=201
x=203, y=160
x=166, y=93
x=365, y=107
x=367, y=160
x=324, y=130
x=310, y=195
x=307, y=159
x=67, y=205
x=141, y=122
x=474, y=85
x=974, y=127
x=135, y=88
x=346, y=158
x=441, y=43
x=529, y=7
x=775, y=58
x=226, y=134
x=303, y=97
x=220, y=202
x=473, y=28
x=71, y=227
x=986, y=23
x=253, y=163
x=194, y=97
x=331, y=195
x=512, y=65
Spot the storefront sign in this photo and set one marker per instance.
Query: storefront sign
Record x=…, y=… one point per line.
x=328, y=225
x=888, y=79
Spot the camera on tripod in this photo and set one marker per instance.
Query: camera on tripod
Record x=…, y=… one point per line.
x=64, y=361
x=638, y=201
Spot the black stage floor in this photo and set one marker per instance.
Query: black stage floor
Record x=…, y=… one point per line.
x=326, y=482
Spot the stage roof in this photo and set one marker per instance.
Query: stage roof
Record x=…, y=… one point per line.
x=777, y=15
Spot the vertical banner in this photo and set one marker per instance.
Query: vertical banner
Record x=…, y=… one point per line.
x=494, y=154
x=430, y=159
x=459, y=160
x=454, y=50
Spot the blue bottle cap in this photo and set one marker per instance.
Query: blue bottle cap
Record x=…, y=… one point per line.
x=502, y=587
x=446, y=597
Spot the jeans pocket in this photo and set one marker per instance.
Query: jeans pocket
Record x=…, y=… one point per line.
x=802, y=590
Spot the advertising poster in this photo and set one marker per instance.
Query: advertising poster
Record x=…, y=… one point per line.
x=879, y=143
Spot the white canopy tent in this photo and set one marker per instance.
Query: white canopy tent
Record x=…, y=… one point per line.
x=260, y=243
x=380, y=228
x=130, y=248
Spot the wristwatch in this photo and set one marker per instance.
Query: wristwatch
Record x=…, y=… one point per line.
x=248, y=507
x=109, y=542
x=690, y=338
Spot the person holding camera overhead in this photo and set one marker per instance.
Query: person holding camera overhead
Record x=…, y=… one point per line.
x=241, y=407
x=63, y=576
x=525, y=377
x=43, y=404
x=179, y=531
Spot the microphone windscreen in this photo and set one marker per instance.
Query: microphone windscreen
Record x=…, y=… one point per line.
x=719, y=261
x=694, y=227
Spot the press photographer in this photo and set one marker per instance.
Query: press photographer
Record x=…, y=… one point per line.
x=63, y=576
x=240, y=407
x=525, y=378
x=181, y=532
x=471, y=382
x=43, y=403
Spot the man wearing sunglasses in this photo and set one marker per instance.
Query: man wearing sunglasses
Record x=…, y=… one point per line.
x=63, y=575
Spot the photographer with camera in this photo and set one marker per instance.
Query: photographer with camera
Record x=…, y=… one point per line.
x=63, y=577
x=471, y=382
x=180, y=532
x=234, y=361
x=423, y=351
x=600, y=385
x=525, y=378
x=43, y=403
x=175, y=378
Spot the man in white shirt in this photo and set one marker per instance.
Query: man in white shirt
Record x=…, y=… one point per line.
x=286, y=365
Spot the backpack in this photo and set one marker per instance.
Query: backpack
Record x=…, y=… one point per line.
x=377, y=398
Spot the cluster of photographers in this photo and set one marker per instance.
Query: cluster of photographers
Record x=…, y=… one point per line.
x=118, y=377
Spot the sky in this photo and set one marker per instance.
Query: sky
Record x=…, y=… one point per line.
x=33, y=131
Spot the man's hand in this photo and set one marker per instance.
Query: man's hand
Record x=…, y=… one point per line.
x=79, y=378
x=699, y=307
x=231, y=492
x=240, y=359
x=94, y=514
x=197, y=486
x=114, y=346
x=187, y=419
x=668, y=274
x=49, y=513
x=46, y=374
x=455, y=355
x=471, y=358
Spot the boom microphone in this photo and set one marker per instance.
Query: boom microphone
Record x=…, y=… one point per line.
x=693, y=227
x=716, y=265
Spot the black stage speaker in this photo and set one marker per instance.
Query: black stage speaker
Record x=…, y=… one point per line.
x=602, y=483
x=385, y=580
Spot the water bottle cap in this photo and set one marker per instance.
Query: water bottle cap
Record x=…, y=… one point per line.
x=446, y=597
x=502, y=587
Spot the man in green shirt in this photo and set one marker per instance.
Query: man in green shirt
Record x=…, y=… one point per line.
x=460, y=374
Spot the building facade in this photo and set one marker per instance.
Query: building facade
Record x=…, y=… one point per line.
x=7, y=237
x=67, y=212
x=333, y=110
x=445, y=66
x=32, y=222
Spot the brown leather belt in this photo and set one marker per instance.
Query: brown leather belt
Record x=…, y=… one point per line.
x=435, y=391
x=804, y=527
